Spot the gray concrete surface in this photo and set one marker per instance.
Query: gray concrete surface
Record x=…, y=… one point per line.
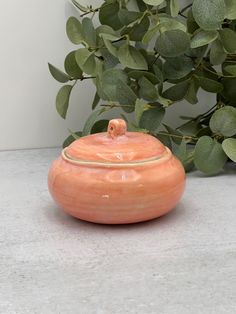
x=184, y=262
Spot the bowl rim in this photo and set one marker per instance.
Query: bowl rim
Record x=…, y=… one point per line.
x=165, y=156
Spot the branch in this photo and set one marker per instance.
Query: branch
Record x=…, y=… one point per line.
x=185, y=8
x=90, y=11
x=178, y=136
x=115, y=106
x=87, y=77
x=216, y=73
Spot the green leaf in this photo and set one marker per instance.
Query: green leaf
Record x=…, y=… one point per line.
x=230, y=9
x=229, y=91
x=100, y=88
x=62, y=100
x=95, y=101
x=88, y=31
x=109, y=81
x=105, y=29
x=209, y=14
x=150, y=34
x=191, y=94
x=74, y=30
x=185, y=156
x=110, y=36
x=174, y=7
x=197, y=52
x=209, y=85
x=75, y=135
x=71, y=138
x=58, y=74
x=190, y=128
x=99, y=67
x=192, y=26
x=151, y=118
x=175, y=135
x=178, y=67
x=140, y=107
x=91, y=120
x=111, y=48
x=128, y=17
x=85, y=59
x=153, y=2
x=109, y=60
x=108, y=15
x=223, y=121
x=228, y=38
x=203, y=38
x=209, y=156
x=133, y=128
x=172, y=43
x=141, y=5
x=217, y=53
x=72, y=67
x=130, y=57
x=204, y=131
x=147, y=90
x=177, y=92
x=100, y=126
x=139, y=74
x=231, y=69
x=168, y=23
x=229, y=147
x=125, y=96
x=164, y=101
x=164, y=137
x=138, y=30
x=209, y=72
x=158, y=72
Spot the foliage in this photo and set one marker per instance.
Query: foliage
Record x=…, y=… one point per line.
x=145, y=56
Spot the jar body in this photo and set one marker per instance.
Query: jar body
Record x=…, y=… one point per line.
x=112, y=194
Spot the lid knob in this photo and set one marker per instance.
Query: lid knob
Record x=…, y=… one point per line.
x=116, y=127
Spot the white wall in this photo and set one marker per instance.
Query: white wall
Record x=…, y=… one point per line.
x=32, y=32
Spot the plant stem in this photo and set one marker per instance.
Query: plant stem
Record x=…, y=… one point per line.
x=185, y=8
x=199, y=116
x=216, y=73
x=117, y=40
x=74, y=83
x=178, y=136
x=205, y=113
x=87, y=77
x=181, y=14
x=157, y=57
x=90, y=11
x=115, y=106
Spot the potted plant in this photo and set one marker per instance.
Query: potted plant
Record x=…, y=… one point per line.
x=145, y=56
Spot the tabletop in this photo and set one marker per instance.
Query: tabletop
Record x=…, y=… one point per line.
x=51, y=263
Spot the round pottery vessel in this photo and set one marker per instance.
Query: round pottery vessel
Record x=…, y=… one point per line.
x=116, y=177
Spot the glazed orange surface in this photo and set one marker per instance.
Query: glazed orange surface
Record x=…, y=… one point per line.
x=115, y=195
x=111, y=192
x=100, y=147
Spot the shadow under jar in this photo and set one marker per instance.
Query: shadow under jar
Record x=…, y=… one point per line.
x=116, y=177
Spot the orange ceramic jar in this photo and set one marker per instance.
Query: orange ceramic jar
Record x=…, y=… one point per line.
x=117, y=177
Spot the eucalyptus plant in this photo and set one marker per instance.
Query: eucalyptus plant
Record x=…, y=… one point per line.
x=145, y=56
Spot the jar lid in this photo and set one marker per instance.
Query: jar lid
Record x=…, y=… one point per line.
x=116, y=146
